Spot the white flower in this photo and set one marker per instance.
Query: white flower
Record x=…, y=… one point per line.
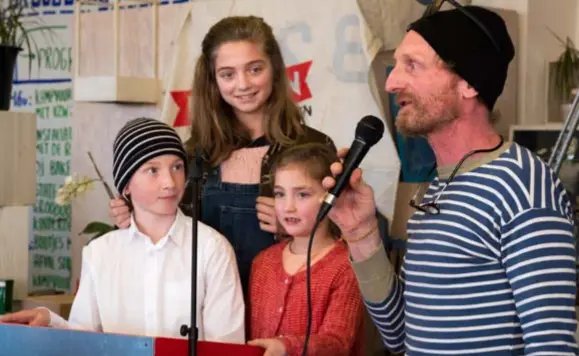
x=60, y=200
x=62, y=197
x=73, y=186
x=84, y=186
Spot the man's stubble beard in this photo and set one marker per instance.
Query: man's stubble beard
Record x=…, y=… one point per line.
x=417, y=120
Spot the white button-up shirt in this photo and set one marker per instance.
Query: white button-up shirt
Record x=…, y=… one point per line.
x=129, y=285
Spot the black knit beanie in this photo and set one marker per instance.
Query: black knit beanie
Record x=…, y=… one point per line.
x=469, y=52
x=139, y=141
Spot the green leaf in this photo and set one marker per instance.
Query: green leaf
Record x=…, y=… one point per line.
x=99, y=235
x=565, y=75
x=96, y=236
x=98, y=228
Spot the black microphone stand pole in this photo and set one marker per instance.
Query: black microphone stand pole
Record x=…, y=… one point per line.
x=195, y=176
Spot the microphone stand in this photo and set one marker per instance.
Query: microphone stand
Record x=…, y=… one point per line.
x=195, y=176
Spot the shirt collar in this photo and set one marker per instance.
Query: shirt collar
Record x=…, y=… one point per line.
x=471, y=164
x=175, y=234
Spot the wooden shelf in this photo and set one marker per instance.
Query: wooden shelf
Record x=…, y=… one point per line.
x=17, y=158
x=550, y=126
x=14, y=237
x=117, y=89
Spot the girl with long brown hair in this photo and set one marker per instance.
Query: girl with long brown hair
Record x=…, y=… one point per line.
x=242, y=118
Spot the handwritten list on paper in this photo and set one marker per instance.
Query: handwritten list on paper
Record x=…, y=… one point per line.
x=45, y=88
x=49, y=247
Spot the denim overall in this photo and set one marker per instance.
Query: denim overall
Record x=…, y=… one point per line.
x=230, y=209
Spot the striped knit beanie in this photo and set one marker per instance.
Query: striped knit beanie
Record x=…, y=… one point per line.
x=139, y=141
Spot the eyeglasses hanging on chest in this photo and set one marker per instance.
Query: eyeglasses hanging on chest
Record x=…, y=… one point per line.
x=432, y=207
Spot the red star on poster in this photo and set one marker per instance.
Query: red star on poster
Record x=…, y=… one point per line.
x=181, y=98
x=300, y=71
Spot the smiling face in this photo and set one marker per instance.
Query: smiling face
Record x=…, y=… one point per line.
x=426, y=91
x=157, y=187
x=298, y=198
x=244, y=76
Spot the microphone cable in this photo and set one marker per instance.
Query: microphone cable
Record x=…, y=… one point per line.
x=309, y=286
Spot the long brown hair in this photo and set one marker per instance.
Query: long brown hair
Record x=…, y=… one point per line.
x=214, y=127
x=315, y=159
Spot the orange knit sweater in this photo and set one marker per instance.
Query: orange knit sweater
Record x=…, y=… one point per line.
x=279, y=304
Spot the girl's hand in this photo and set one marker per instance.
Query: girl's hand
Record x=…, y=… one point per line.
x=273, y=347
x=119, y=212
x=266, y=214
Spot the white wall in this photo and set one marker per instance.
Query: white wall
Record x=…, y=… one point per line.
x=520, y=6
x=559, y=16
x=537, y=47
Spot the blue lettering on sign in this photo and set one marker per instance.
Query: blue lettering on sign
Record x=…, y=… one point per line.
x=53, y=3
x=284, y=33
x=19, y=100
x=343, y=47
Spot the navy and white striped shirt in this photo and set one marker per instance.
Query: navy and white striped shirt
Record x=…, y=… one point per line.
x=494, y=273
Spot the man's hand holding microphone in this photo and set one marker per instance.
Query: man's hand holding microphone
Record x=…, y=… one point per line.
x=350, y=201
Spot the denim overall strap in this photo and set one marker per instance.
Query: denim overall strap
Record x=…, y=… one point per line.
x=265, y=183
x=230, y=209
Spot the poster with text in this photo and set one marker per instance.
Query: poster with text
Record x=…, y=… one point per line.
x=42, y=84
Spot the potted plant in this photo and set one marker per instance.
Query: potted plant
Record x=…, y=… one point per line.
x=13, y=36
x=564, y=74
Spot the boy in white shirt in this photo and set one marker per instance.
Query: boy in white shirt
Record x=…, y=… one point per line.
x=138, y=280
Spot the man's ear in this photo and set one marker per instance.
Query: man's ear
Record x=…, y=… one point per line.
x=467, y=91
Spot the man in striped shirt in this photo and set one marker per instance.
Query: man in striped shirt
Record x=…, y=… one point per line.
x=490, y=262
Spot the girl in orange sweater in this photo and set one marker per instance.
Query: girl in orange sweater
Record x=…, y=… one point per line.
x=278, y=303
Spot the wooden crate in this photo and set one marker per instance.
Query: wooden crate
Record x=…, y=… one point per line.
x=116, y=52
x=17, y=158
x=14, y=236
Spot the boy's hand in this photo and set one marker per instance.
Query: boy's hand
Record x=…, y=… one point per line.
x=273, y=347
x=32, y=317
x=120, y=213
x=266, y=214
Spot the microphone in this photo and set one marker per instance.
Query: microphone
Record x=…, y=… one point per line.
x=368, y=132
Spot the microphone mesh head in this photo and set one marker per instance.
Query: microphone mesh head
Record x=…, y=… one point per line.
x=370, y=129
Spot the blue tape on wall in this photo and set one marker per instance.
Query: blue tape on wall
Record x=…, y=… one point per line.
x=17, y=340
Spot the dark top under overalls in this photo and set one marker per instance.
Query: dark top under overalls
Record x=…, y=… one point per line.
x=230, y=207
